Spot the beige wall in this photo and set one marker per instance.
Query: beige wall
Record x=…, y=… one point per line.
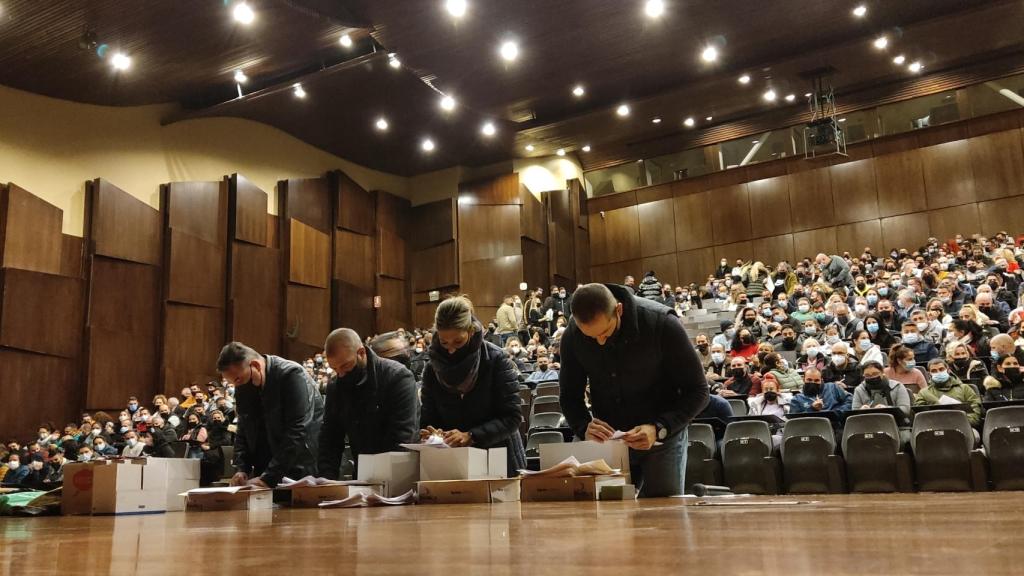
x=51, y=147
x=547, y=173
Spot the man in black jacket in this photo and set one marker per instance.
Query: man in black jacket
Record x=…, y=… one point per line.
x=279, y=411
x=372, y=401
x=645, y=377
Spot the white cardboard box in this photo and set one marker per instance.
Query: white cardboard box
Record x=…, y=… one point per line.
x=182, y=476
x=129, y=486
x=463, y=464
x=397, y=471
x=615, y=453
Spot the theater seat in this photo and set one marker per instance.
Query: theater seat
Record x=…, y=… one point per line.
x=548, y=388
x=545, y=420
x=1003, y=438
x=747, y=461
x=702, y=466
x=546, y=404
x=739, y=407
x=535, y=440
x=944, y=454
x=810, y=464
x=871, y=448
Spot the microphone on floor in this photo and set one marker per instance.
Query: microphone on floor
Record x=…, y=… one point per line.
x=711, y=490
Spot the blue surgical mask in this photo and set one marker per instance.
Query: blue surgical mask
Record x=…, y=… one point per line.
x=911, y=338
x=717, y=357
x=812, y=352
x=864, y=344
x=995, y=354
x=910, y=364
x=810, y=330
x=883, y=291
x=940, y=377
x=779, y=318
x=872, y=299
x=872, y=328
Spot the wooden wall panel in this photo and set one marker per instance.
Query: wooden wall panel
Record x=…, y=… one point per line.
x=769, y=207
x=308, y=319
x=487, y=281
x=195, y=272
x=1002, y=214
x=809, y=243
x=616, y=272
x=124, y=296
x=579, y=203
x=492, y=191
x=353, y=258
x=309, y=263
x=853, y=238
x=560, y=205
x=119, y=225
x=909, y=231
x=948, y=177
x=622, y=234
x=273, y=232
x=664, y=266
x=533, y=220
x=356, y=206
x=535, y=263
x=30, y=231
x=488, y=232
x=41, y=312
x=657, y=227
x=693, y=221
x=72, y=256
x=432, y=224
x=730, y=214
x=391, y=248
x=199, y=209
x=997, y=162
x=773, y=250
x=308, y=200
x=353, y=308
x=743, y=250
x=810, y=199
x=435, y=267
x=853, y=191
x=395, y=308
x=193, y=337
x=561, y=253
x=899, y=178
x=582, y=255
x=249, y=211
x=946, y=223
x=392, y=212
x=598, y=242
x=423, y=314
x=254, y=308
x=26, y=380
x=695, y=265
x=120, y=364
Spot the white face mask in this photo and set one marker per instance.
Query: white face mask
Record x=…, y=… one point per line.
x=13, y=464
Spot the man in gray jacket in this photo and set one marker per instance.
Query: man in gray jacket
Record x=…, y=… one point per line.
x=834, y=270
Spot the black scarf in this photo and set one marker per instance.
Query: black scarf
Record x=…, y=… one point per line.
x=457, y=372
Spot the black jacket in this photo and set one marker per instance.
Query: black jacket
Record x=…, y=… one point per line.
x=278, y=423
x=376, y=414
x=647, y=372
x=162, y=438
x=490, y=412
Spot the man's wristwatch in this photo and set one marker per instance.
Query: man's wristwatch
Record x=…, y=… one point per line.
x=662, y=431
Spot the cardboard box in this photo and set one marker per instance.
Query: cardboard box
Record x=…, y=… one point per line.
x=463, y=464
x=398, y=472
x=182, y=476
x=567, y=489
x=129, y=486
x=76, y=496
x=618, y=492
x=468, y=491
x=614, y=453
x=257, y=499
x=312, y=496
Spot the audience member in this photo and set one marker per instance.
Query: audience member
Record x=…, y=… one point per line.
x=947, y=386
x=819, y=396
x=1006, y=382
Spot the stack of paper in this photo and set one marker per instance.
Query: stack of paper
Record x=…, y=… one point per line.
x=221, y=490
x=364, y=500
x=432, y=441
x=310, y=482
x=572, y=467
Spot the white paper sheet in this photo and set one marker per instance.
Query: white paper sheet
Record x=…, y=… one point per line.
x=366, y=500
x=432, y=441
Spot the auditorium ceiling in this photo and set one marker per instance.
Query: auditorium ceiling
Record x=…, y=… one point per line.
x=509, y=65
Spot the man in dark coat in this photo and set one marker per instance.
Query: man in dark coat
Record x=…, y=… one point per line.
x=646, y=380
x=371, y=400
x=279, y=412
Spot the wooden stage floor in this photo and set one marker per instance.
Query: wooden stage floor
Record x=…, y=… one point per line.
x=849, y=534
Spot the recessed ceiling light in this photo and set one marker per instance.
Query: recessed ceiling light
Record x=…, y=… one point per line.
x=447, y=103
x=790, y=97
x=382, y=124
x=457, y=8
x=509, y=50
x=710, y=54
x=427, y=145
x=298, y=91
x=240, y=77
x=578, y=90
x=754, y=141
x=622, y=110
x=560, y=152
x=656, y=120
x=345, y=40
x=899, y=60
x=709, y=118
x=915, y=67
x=393, y=60
x=586, y=148
x=243, y=13
x=488, y=129
x=654, y=8
x=689, y=121
x=529, y=147
x=842, y=119
x=120, y=61
x=881, y=42
x=769, y=95
x=807, y=94
x=745, y=79
x=860, y=11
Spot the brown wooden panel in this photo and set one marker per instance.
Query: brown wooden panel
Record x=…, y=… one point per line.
x=893, y=144
x=353, y=259
x=582, y=255
x=598, y=242
x=392, y=254
x=560, y=204
x=810, y=199
x=695, y=265
x=308, y=200
x=432, y=224
x=853, y=191
x=769, y=206
x=197, y=208
x=725, y=178
x=942, y=134
x=948, y=178
x=308, y=318
x=998, y=122
x=72, y=255
x=611, y=202
x=1002, y=214
x=124, y=296
x=579, y=203
x=353, y=308
x=254, y=310
x=664, y=266
x=41, y=312
x=192, y=339
x=120, y=364
x=809, y=243
x=561, y=251
x=616, y=272
x=766, y=170
x=435, y=267
x=273, y=232
x=119, y=225
x=356, y=206
x=249, y=211
x=38, y=388
x=731, y=252
x=998, y=164
x=909, y=231
x=423, y=314
x=649, y=194
x=487, y=281
x=853, y=238
x=657, y=227
x=310, y=257
x=946, y=223
x=30, y=231
x=502, y=189
x=899, y=179
x=693, y=221
x=533, y=218
x=392, y=212
x=535, y=263
x=622, y=234
x=730, y=213
x=773, y=250
x=488, y=231
x=394, y=311
x=195, y=272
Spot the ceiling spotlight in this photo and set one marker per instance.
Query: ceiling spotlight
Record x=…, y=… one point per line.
x=710, y=54
x=654, y=8
x=120, y=61
x=709, y=118
x=656, y=120
x=842, y=119
x=297, y=89
x=529, y=147
x=754, y=141
x=769, y=95
x=345, y=40
x=427, y=145
x=881, y=42
x=860, y=11
x=915, y=67
x=447, y=103
x=578, y=91
x=561, y=152
x=586, y=148
x=509, y=51
x=807, y=94
x=457, y=8
x=393, y=60
x=745, y=79
x=790, y=97
x=243, y=13
x=240, y=77
x=689, y=122
x=622, y=110
x=899, y=60
x=488, y=129
x=382, y=124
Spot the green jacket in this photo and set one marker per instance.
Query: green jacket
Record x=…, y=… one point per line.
x=956, y=390
x=789, y=381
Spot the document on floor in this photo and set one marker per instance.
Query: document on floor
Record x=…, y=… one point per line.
x=572, y=467
x=432, y=441
x=310, y=482
x=367, y=500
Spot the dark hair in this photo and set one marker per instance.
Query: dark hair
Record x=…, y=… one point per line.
x=592, y=300
x=455, y=313
x=968, y=327
x=235, y=353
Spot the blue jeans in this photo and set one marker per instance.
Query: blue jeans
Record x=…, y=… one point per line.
x=660, y=471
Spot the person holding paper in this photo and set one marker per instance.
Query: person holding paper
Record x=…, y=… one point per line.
x=948, y=389
x=645, y=377
x=371, y=400
x=279, y=410
x=471, y=387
